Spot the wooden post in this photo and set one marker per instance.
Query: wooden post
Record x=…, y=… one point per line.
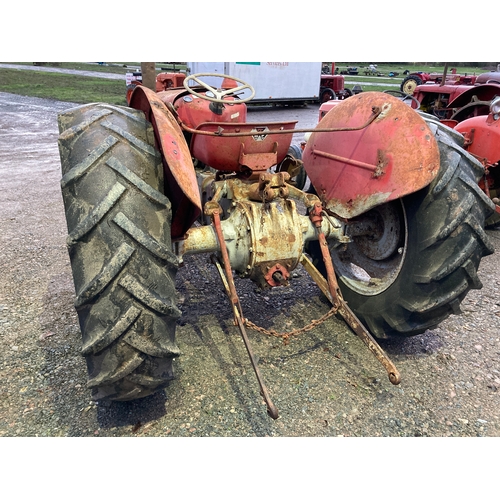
x=148, y=70
x=445, y=72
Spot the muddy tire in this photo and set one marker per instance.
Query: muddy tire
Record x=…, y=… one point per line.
x=421, y=257
x=120, y=249
x=493, y=221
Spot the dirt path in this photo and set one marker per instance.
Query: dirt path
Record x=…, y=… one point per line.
x=324, y=383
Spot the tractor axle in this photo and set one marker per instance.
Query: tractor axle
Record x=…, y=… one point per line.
x=256, y=230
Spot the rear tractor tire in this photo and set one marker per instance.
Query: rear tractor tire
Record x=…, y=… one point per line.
x=299, y=178
x=422, y=256
x=120, y=249
x=327, y=94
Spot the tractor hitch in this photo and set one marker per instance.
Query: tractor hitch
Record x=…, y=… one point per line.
x=277, y=275
x=350, y=318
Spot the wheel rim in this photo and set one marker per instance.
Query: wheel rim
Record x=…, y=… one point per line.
x=409, y=87
x=373, y=260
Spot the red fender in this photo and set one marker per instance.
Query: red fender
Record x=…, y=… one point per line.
x=181, y=185
x=482, y=139
x=356, y=170
x=482, y=134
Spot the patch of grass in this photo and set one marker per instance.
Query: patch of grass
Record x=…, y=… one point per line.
x=74, y=88
x=386, y=68
x=62, y=87
x=119, y=68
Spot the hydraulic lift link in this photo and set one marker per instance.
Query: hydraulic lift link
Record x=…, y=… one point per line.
x=227, y=280
x=332, y=291
x=351, y=319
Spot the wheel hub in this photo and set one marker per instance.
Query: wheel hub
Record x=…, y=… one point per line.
x=384, y=239
x=372, y=262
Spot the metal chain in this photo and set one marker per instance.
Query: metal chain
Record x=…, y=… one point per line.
x=286, y=335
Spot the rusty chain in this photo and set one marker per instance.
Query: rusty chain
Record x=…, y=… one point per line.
x=286, y=335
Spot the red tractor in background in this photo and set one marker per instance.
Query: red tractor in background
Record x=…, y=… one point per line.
x=413, y=80
x=482, y=139
x=472, y=110
x=393, y=236
x=457, y=100
x=164, y=81
x=332, y=85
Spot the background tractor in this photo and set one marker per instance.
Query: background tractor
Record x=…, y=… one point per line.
x=414, y=79
x=473, y=110
x=482, y=139
x=163, y=81
x=332, y=85
x=457, y=100
x=393, y=236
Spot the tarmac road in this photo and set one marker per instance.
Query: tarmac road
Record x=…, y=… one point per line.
x=324, y=382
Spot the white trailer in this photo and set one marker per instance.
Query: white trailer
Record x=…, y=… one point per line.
x=280, y=82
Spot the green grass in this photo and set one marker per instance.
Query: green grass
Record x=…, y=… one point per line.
x=72, y=88
x=62, y=87
x=116, y=67
x=427, y=67
x=80, y=89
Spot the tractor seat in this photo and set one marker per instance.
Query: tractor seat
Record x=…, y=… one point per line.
x=257, y=152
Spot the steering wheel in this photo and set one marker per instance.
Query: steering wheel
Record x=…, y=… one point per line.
x=404, y=95
x=218, y=93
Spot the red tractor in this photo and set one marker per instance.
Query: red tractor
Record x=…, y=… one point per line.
x=413, y=80
x=472, y=110
x=482, y=139
x=332, y=87
x=458, y=100
x=393, y=237
x=164, y=81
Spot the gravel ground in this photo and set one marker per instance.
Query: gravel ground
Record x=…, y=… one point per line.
x=324, y=383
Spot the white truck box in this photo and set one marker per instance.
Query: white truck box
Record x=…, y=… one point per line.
x=272, y=81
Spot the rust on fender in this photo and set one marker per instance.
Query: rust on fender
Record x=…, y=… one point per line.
x=355, y=170
x=181, y=185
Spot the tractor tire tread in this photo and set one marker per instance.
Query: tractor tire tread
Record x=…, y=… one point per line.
x=446, y=242
x=449, y=257
x=119, y=245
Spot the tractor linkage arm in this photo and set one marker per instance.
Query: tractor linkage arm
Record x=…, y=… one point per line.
x=332, y=291
x=376, y=111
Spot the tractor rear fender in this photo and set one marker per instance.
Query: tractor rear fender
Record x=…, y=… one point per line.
x=368, y=161
x=485, y=92
x=180, y=182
